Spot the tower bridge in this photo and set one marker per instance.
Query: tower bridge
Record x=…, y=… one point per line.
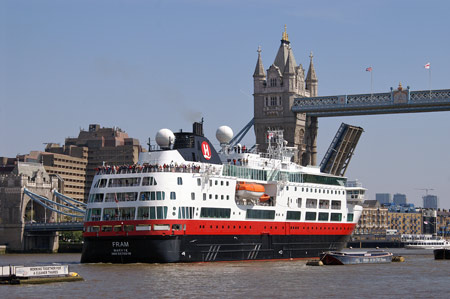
x=395, y=101
x=287, y=99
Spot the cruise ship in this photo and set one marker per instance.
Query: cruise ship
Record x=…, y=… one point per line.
x=187, y=202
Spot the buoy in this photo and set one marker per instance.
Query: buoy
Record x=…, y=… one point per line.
x=398, y=259
x=314, y=263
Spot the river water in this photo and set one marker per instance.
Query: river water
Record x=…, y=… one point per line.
x=420, y=276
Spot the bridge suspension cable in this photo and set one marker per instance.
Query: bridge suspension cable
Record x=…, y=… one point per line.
x=43, y=201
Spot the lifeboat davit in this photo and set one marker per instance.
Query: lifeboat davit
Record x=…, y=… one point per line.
x=249, y=190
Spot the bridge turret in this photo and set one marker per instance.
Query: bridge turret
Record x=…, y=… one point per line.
x=311, y=78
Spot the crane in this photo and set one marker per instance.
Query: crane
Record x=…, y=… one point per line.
x=426, y=190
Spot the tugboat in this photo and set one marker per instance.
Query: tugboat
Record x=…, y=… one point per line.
x=186, y=202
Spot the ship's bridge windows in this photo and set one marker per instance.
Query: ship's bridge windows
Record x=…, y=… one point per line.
x=173, y=195
x=124, y=182
x=335, y=205
x=149, y=181
x=101, y=183
x=153, y=195
x=93, y=214
x=324, y=204
x=122, y=196
x=350, y=217
x=293, y=215
x=215, y=213
x=323, y=216
x=260, y=214
x=145, y=213
x=96, y=197
x=336, y=217
x=179, y=180
x=311, y=203
x=310, y=216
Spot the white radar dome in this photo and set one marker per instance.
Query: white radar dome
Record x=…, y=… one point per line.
x=164, y=138
x=224, y=134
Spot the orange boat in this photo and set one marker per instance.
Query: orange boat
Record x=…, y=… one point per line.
x=249, y=190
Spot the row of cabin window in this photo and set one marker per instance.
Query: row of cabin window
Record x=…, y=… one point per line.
x=126, y=182
x=318, y=190
x=145, y=196
x=147, y=213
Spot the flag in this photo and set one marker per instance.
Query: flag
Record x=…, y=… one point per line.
x=369, y=69
x=427, y=66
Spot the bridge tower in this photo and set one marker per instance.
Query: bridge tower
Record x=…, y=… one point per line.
x=274, y=94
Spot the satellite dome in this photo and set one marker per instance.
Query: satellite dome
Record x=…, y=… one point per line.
x=164, y=138
x=224, y=134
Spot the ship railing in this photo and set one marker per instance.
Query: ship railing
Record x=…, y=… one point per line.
x=182, y=168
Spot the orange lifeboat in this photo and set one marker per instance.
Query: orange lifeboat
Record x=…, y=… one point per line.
x=264, y=198
x=249, y=190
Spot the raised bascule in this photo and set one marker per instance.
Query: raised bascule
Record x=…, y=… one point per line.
x=286, y=99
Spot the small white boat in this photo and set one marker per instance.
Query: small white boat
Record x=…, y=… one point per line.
x=424, y=242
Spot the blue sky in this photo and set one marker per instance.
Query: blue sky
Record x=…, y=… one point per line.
x=145, y=65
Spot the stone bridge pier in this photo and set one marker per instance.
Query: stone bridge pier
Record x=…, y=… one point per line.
x=17, y=209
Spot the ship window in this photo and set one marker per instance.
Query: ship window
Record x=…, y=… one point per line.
x=106, y=228
x=310, y=216
x=324, y=204
x=323, y=216
x=336, y=217
x=215, y=183
x=94, y=214
x=335, y=205
x=179, y=180
x=204, y=196
x=117, y=228
x=210, y=196
x=101, y=183
x=143, y=213
x=221, y=183
x=228, y=197
x=149, y=181
x=215, y=213
x=227, y=183
x=210, y=183
x=123, y=196
x=221, y=197
x=350, y=217
x=311, y=203
x=199, y=182
x=260, y=214
x=93, y=229
x=142, y=227
x=299, y=202
x=173, y=195
x=293, y=215
x=217, y=196
x=192, y=195
x=124, y=182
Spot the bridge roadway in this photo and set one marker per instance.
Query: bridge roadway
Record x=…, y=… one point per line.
x=396, y=101
x=54, y=226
